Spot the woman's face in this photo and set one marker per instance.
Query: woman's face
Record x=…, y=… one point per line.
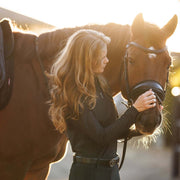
x=102, y=62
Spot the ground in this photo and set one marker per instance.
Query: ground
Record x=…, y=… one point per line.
x=154, y=163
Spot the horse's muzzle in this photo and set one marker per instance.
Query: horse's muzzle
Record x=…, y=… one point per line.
x=147, y=121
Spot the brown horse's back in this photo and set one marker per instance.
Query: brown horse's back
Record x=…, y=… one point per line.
x=27, y=137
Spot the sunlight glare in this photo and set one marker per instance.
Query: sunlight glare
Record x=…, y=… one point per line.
x=70, y=13
x=175, y=91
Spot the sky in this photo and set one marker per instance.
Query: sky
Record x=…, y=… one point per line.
x=71, y=13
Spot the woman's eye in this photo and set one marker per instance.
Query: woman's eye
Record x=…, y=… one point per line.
x=131, y=60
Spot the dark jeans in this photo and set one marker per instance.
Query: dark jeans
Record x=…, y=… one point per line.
x=81, y=171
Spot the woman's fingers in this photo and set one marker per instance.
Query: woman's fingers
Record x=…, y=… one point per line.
x=148, y=93
x=150, y=100
x=145, y=101
x=151, y=103
x=151, y=97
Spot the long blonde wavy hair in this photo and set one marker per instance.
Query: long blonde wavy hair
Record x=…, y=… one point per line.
x=72, y=77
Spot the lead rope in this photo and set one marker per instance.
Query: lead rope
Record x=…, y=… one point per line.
x=123, y=152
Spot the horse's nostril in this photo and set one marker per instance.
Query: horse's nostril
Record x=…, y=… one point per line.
x=159, y=120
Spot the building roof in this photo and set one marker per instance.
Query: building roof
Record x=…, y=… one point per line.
x=25, y=22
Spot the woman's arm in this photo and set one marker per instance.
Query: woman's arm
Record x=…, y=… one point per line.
x=119, y=128
x=104, y=135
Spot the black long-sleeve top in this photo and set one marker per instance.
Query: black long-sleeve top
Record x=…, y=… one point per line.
x=96, y=132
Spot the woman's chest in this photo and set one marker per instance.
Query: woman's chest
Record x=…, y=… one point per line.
x=105, y=110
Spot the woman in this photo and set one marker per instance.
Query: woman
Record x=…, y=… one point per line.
x=82, y=106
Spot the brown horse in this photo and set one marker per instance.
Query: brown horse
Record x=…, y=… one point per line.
x=28, y=140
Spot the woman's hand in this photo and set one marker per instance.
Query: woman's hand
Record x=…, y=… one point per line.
x=145, y=101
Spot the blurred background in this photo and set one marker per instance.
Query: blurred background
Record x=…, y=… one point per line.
x=161, y=161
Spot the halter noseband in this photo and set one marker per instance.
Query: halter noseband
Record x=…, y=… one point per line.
x=141, y=87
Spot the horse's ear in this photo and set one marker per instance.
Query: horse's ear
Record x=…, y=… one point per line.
x=170, y=27
x=138, y=25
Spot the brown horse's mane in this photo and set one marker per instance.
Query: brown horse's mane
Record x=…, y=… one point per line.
x=50, y=43
x=24, y=46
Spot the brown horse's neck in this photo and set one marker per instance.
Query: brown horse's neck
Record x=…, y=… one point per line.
x=51, y=43
x=116, y=52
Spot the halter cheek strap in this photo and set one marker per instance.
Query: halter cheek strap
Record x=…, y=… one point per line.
x=130, y=101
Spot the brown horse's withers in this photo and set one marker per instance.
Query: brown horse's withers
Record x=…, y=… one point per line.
x=28, y=140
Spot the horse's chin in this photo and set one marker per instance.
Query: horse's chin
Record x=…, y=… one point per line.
x=145, y=132
x=147, y=121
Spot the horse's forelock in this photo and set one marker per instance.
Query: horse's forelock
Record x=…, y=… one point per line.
x=153, y=34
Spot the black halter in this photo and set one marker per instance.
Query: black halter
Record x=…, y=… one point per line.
x=141, y=87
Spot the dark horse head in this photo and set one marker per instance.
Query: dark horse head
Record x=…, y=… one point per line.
x=146, y=66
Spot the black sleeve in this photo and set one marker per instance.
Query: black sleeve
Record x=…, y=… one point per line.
x=103, y=135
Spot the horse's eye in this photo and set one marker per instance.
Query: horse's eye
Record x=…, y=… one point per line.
x=131, y=60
